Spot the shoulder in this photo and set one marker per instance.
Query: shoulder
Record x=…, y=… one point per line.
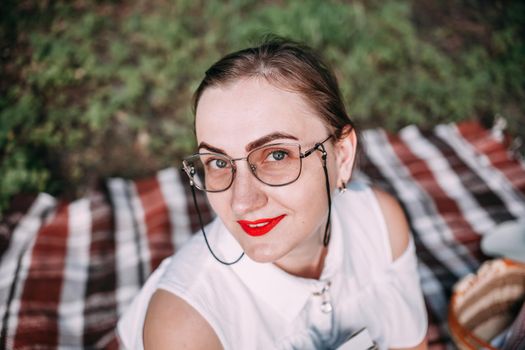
x=395, y=220
x=172, y=323
x=183, y=274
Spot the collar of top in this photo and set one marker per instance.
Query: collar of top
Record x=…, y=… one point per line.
x=286, y=293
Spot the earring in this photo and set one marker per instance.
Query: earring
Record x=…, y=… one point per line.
x=342, y=189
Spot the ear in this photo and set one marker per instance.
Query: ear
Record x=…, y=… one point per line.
x=345, y=152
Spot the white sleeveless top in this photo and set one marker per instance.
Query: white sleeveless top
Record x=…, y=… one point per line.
x=251, y=305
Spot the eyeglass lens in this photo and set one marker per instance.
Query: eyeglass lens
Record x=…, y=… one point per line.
x=275, y=165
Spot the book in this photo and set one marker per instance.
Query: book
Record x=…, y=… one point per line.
x=359, y=340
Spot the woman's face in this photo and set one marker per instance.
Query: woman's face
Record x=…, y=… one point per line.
x=233, y=117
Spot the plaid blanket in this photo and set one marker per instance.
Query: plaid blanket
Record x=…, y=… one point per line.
x=68, y=270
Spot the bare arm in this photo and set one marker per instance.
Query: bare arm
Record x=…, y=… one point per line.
x=171, y=323
x=398, y=231
x=396, y=222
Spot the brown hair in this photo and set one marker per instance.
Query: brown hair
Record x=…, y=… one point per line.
x=289, y=65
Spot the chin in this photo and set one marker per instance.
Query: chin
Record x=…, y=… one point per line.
x=262, y=254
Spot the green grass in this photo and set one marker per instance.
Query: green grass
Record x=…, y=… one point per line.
x=96, y=89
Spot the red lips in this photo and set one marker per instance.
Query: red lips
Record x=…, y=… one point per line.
x=259, y=227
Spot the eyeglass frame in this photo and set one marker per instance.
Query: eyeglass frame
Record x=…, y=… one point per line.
x=190, y=171
x=317, y=147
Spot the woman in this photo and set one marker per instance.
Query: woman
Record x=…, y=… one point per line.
x=289, y=263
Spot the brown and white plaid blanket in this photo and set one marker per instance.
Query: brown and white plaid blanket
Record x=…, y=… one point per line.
x=68, y=270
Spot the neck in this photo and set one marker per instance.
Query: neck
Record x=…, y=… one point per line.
x=305, y=265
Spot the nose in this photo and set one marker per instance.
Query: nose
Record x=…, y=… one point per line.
x=247, y=192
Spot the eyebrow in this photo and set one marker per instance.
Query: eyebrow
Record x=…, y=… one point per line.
x=270, y=137
x=254, y=144
x=210, y=148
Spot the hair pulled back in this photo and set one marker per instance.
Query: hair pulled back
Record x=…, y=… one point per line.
x=288, y=65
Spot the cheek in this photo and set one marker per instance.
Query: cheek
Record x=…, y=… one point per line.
x=219, y=202
x=306, y=198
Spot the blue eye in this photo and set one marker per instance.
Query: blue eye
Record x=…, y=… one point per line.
x=220, y=163
x=216, y=163
x=278, y=155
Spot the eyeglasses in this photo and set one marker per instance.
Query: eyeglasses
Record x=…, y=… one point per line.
x=275, y=165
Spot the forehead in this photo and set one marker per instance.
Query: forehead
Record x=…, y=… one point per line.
x=232, y=115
